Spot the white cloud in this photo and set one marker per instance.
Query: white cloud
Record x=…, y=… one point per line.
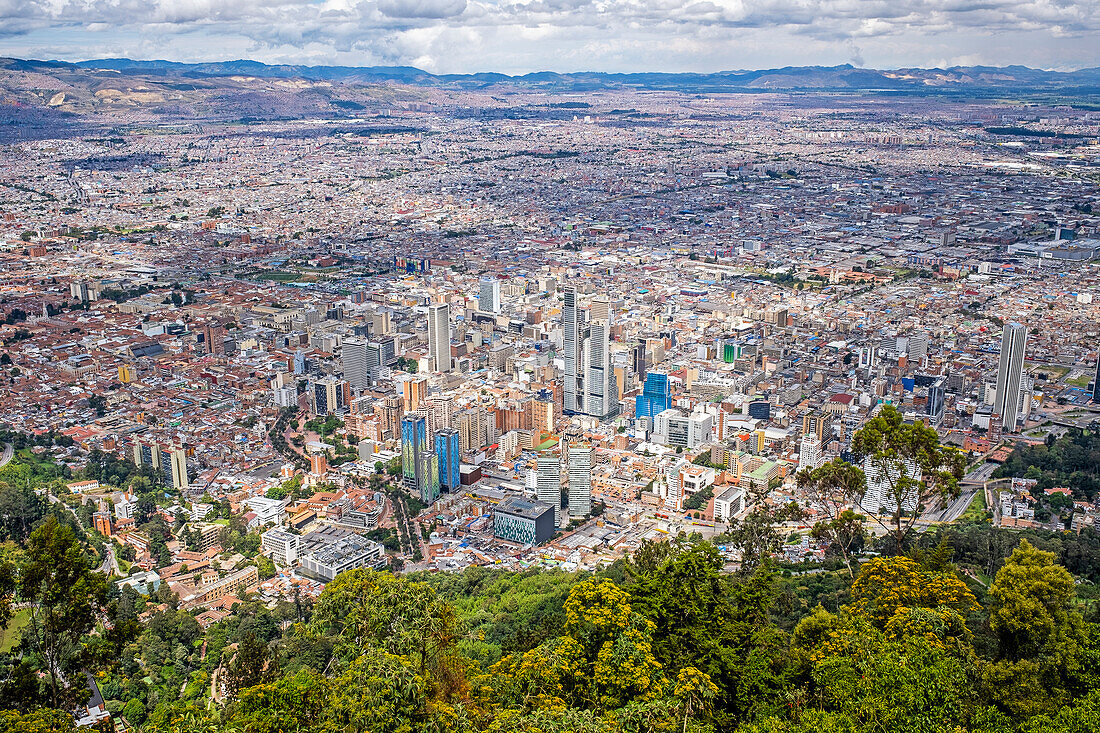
x=522, y=35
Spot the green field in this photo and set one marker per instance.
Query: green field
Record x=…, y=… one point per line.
x=10, y=635
x=281, y=277
x=977, y=509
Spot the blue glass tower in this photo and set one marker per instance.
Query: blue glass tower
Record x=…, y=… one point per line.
x=656, y=397
x=446, y=447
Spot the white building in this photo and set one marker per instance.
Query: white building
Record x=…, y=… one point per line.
x=281, y=546
x=673, y=427
x=580, y=479
x=268, y=511
x=878, y=499
x=728, y=504
x=489, y=295
x=439, y=337
x=548, y=483
x=809, y=452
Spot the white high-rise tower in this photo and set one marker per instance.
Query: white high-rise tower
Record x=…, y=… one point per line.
x=572, y=346
x=1010, y=372
x=580, y=479
x=439, y=337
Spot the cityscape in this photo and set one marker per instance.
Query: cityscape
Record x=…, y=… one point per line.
x=395, y=402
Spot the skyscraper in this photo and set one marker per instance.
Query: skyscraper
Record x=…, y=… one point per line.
x=638, y=360
x=655, y=397
x=414, y=441
x=580, y=479
x=1096, y=383
x=329, y=395
x=355, y=360
x=427, y=475
x=447, y=449
x=936, y=395
x=489, y=295
x=572, y=344
x=548, y=482
x=599, y=399
x=439, y=337
x=1010, y=371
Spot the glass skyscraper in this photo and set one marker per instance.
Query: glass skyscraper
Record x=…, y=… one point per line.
x=446, y=448
x=656, y=397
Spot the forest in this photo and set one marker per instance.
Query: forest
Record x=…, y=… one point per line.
x=1072, y=460
x=972, y=629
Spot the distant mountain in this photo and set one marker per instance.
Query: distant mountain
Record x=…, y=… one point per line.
x=791, y=77
x=52, y=98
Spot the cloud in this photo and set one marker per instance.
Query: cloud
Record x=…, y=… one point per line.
x=422, y=8
x=520, y=35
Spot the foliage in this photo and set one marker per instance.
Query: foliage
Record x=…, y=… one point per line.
x=891, y=448
x=1073, y=461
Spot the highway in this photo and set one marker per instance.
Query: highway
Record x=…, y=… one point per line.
x=9, y=451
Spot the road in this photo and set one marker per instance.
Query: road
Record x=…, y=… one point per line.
x=970, y=484
x=9, y=451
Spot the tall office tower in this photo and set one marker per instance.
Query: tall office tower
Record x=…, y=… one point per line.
x=447, y=448
x=427, y=470
x=572, y=346
x=600, y=309
x=1010, y=371
x=918, y=347
x=599, y=399
x=488, y=300
x=168, y=459
x=936, y=393
x=1096, y=383
x=329, y=395
x=299, y=362
x=655, y=397
x=439, y=337
x=414, y=392
x=548, y=482
x=637, y=358
x=381, y=324
x=354, y=359
x=809, y=452
x=414, y=441
x=580, y=479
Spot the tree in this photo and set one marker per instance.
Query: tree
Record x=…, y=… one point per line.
x=134, y=712
x=758, y=535
x=1032, y=611
x=844, y=534
x=912, y=467
x=64, y=596
x=888, y=585
x=251, y=665
x=833, y=487
x=695, y=691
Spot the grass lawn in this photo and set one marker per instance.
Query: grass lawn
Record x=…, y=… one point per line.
x=10, y=635
x=977, y=509
x=282, y=277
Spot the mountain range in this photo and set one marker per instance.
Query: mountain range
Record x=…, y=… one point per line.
x=39, y=97
x=786, y=78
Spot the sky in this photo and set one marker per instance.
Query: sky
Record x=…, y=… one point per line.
x=519, y=36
